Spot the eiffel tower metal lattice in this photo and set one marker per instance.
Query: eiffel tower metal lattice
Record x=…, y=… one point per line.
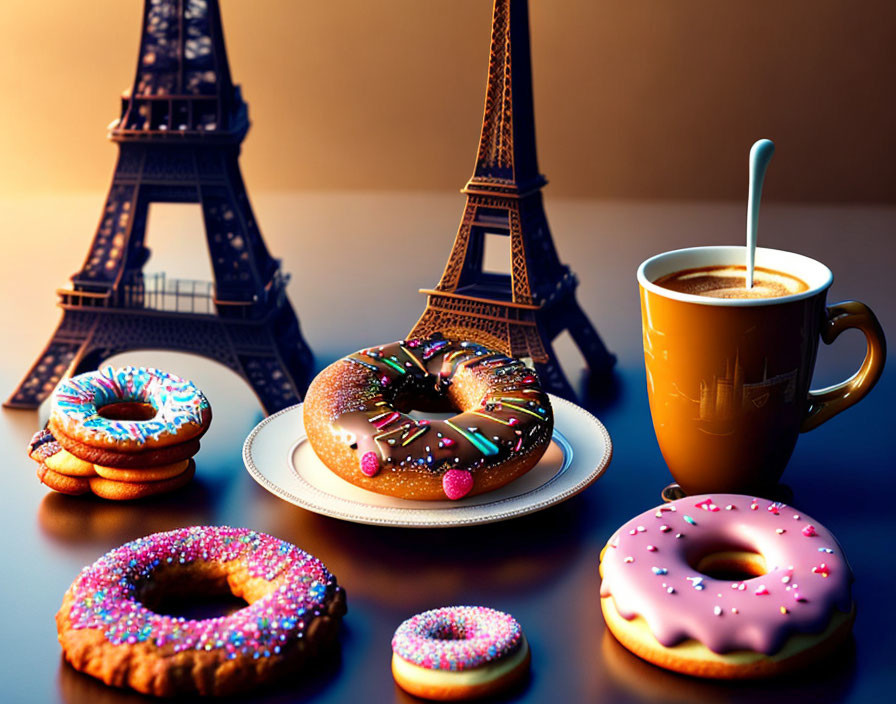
x=522, y=312
x=179, y=135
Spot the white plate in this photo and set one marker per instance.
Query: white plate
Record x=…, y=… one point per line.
x=280, y=458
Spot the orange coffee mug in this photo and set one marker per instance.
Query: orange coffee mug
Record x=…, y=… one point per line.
x=728, y=378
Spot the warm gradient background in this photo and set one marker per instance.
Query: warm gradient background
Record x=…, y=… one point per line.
x=640, y=99
x=359, y=103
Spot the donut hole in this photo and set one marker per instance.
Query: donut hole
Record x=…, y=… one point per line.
x=127, y=410
x=198, y=606
x=448, y=631
x=465, y=391
x=421, y=400
x=733, y=564
x=189, y=593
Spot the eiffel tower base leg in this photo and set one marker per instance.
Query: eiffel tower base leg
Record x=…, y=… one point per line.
x=568, y=316
x=553, y=380
x=279, y=375
x=270, y=354
x=66, y=345
x=600, y=361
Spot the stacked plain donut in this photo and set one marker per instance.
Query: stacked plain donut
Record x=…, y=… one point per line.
x=121, y=434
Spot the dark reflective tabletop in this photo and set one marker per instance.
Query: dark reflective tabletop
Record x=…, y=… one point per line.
x=541, y=568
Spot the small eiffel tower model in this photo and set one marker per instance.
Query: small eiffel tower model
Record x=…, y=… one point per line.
x=179, y=136
x=522, y=312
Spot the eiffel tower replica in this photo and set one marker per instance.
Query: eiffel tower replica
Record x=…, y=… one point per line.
x=179, y=136
x=522, y=312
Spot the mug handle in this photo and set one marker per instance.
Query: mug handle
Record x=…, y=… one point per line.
x=825, y=403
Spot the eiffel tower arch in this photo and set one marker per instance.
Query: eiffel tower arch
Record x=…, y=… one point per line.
x=179, y=135
x=522, y=312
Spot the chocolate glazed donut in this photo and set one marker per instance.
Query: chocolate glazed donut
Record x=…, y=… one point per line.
x=356, y=417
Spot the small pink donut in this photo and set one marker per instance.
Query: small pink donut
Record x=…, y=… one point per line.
x=459, y=652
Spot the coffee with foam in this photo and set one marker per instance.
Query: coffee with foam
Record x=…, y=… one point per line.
x=731, y=282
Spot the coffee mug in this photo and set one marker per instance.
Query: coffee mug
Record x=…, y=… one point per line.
x=728, y=378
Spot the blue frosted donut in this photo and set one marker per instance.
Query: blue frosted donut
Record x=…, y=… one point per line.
x=153, y=409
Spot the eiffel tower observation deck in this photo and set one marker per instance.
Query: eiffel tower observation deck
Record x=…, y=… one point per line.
x=179, y=134
x=183, y=87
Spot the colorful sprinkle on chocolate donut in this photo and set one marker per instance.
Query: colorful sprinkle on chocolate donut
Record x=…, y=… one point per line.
x=457, y=483
x=370, y=464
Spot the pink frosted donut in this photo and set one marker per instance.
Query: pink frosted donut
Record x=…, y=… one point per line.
x=459, y=652
x=726, y=586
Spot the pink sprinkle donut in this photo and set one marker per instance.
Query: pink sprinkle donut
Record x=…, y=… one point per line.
x=108, y=629
x=726, y=586
x=459, y=652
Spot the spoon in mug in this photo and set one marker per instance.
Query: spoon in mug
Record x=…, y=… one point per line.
x=760, y=154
